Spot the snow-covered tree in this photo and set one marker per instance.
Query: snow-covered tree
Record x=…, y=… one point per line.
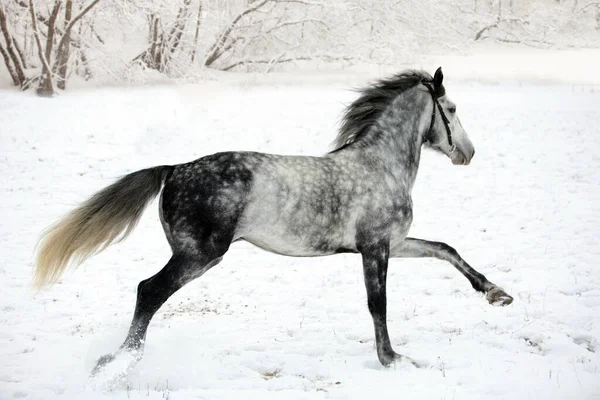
x=47, y=42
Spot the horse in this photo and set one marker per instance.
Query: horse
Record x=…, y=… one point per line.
x=354, y=199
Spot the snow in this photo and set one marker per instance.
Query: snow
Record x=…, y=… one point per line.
x=526, y=213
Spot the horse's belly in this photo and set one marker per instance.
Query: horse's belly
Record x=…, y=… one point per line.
x=301, y=234
x=286, y=246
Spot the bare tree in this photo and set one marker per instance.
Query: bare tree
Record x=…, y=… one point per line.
x=67, y=34
x=64, y=38
x=164, y=43
x=11, y=59
x=46, y=85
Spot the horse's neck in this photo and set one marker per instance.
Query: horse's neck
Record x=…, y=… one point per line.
x=394, y=142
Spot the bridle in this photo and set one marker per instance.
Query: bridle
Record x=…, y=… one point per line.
x=434, y=97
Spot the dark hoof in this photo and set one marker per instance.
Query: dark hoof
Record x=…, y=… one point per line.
x=102, y=361
x=498, y=297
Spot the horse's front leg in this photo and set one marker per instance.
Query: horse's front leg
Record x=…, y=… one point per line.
x=411, y=247
x=375, y=264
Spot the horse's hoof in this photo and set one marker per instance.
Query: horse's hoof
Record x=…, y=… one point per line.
x=113, y=368
x=498, y=297
x=388, y=360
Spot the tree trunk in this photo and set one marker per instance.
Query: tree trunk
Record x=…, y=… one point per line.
x=10, y=48
x=87, y=72
x=20, y=53
x=46, y=87
x=9, y=66
x=62, y=57
x=50, y=35
x=197, y=33
x=155, y=48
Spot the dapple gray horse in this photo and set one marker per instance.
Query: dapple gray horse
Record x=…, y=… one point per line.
x=355, y=199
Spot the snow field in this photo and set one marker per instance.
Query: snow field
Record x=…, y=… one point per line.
x=526, y=213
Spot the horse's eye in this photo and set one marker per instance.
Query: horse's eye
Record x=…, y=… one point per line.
x=452, y=110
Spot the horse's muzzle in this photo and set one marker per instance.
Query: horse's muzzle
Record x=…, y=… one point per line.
x=459, y=158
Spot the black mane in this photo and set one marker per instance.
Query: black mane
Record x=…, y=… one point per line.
x=373, y=101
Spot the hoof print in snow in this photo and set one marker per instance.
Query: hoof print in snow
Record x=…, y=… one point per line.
x=102, y=361
x=266, y=375
x=498, y=297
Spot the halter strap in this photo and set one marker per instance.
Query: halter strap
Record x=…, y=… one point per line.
x=444, y=118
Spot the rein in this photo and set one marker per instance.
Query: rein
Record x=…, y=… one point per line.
x=444, y=118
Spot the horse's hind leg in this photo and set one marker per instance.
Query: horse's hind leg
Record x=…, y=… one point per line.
x=153, y=292
x=411, y=247
x=181, y=269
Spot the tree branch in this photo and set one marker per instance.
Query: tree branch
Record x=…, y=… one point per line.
x=300, y=22
x=496, y=24
x=214, y=53
x=281, y=60
x=582, y=9
x=66, y=35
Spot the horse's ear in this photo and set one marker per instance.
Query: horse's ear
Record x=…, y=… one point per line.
x=438, y=78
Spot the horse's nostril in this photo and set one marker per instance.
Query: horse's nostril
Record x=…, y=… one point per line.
x=473, y=153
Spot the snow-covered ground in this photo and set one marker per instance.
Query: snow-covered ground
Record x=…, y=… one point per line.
x=526, y=213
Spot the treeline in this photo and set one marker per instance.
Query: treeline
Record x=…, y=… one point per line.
x=44, y=43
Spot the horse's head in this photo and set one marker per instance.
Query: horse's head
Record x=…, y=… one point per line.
x=445, y=133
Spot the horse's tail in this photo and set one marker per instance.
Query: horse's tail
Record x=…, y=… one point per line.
x=108, y=216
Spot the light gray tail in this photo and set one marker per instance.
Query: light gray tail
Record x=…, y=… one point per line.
x=107, y=217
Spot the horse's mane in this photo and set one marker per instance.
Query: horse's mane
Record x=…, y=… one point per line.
x=372, y=102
